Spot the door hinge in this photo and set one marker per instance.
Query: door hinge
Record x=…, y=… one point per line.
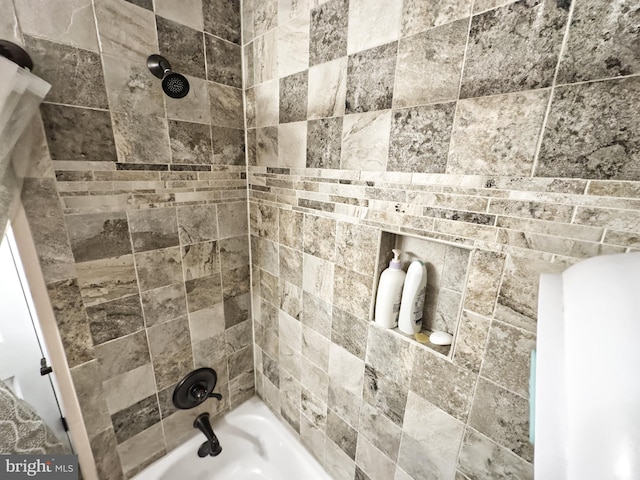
x=65, y=425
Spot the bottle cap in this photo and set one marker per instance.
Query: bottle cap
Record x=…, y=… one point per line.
x=395, y=262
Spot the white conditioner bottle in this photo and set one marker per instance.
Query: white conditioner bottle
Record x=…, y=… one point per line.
x=389, y=292
x=412, y=303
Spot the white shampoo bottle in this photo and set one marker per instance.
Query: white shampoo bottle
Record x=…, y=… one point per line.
x=412, y=303
x=389, y=292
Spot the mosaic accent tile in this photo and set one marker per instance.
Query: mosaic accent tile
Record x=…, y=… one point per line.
x=503, y=417
x=481, y=458
x=328, y=31
x=189, y=12
x=365, y=141
x=420, y=138
x=224, y=63
x=420, y=15
x=115, y=319
x=293, y=97
x=596, y=143
x=190, y=143
x=600, y=42
x=497, y=135
x=327, y=89
x=75, y=75
x=501, y=61
x=78, y=133
x=153, y=229
x=182, y=47
x=370, y=77
x=324, y=140
x=158, y=268
x=429, y=65
x=96, y=236
x=222, y=19
x=372, y=23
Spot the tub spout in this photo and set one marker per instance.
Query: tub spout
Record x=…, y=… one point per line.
x=212, y=446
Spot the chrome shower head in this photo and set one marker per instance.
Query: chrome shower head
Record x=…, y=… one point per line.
x=173, y=84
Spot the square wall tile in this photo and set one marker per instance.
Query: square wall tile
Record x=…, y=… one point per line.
x=324, y=140
x=370, y=76
x=153, y=229
x=328, y=31
x=182, y=46
x=136, y=418
x=365, y=141
x=420, y=15
x=267, y=97
x=228, y=146
x=164, y=304
x=225, y=105
x=497, y=135
x=420, y=138
x=265, y=16
x=107, y=279
x=197, y=223
x=158, y=268
x=123, y=355
x=265, y=57
x=232, y=219
x=192, y=108
x=222, y=19
x=170, y=346
x=327, y=89
x=141, y=139
x=224, y=62
x=293, y=46
x=430, y=64
x=203, y=292
x=200, y=260
x=514, y=48
x=98, y=235
x=372, y=23
x=190, y=143
x=293, y=97
x=292, y=144
x=111, y=320
x=187, y=12
x=319, y=237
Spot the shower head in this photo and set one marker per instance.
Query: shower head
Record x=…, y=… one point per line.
x=173, y=84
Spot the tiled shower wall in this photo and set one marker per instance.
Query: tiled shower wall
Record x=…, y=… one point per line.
x=507, y=127
x=139, y=211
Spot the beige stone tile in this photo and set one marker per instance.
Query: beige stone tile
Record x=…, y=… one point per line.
x=483, y=280
x=170, y=346
x=293, y=46
x=107, y=279
x=139, y=449
x=365, y=141
x=128, y=388
x=471, y=340
x=352, y=292
x=373, y=462
x=187, y=12
x=86, y=380
x=327, y=89
x=159, y=268
x=265, y=57
x=372, y=23
x=338, y=463
x=420, y=15
x=122, y=355
x=292, y=145
x=164, y=304
x=192, y=108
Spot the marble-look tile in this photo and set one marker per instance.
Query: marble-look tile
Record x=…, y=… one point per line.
x=104, y=449
x=267, y=103
x=370, y=75
x=337, y=463
x=290, y=265
x=420, y=138
x=141, y=139
x=128, y=388
x=190, y=143
x=252, y=147
x=343, y=435
x=206, y=323
x=357, y=247
x=471, y=340
x=319, y=237
x=228, y=146
x=265, y=57
x=498, y=134
x=153, y=229
x=500, y=60
x=385, y=394
x=189, y=12
x=290, y=296
x=293, y=97
x=316, y=314
x=507, y=358
x=372, y=23
x=9, y=23
x=87, y=384
x=420, y=15
x=225, y=105
x=235, y=282
x=290, y=224
x=142, y=449
x=241, y=388
x=203, y=292
x=267, y=146
x=503, y=417
x=429, y=65
x=318, y=277
x=485, y=460
x=237, y=309
x=234, y=252
x=293, y=46
x=75, y=75
x=313, y=408
x=271, y=370
x=111, y=320
x=122, y=355
x=232, y=219
x=313, y=379
x=588, y=132
x=265, y=16
x=170, y=346
x=379, y=430
x=455, y=268
x=247, y=14
x=483, y=280
x=315, y=348
x=352, y=291
x=107, y=279
x=99, y=235
x=192, y=108
x=136, y=418
x=327, y=89
x=447, y=312
x=68, y=23
x=328, y=31
x=365, y=141
x=126, y=30
x=349, y=332
x=197, y=223
x=240, y=362
x=222, y=19
x=483, y=5
x=131, y=87
x=224, y=62
x=292, y=144
x=346, y=378
x=324, y=140
x=390, y=355
x=264, y=221
x=600, y=42
x=290, y=9
x=159, y=268
x=78, y=133
x=429, y=452
x=239, y=336
x=182, y=46
x=71, y=320
x=444, y=384
x=371, y=463
x=200, y=260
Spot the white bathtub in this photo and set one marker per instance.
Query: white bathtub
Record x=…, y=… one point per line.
x=255, y=446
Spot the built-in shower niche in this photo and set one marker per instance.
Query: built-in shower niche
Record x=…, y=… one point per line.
x=447, y=266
